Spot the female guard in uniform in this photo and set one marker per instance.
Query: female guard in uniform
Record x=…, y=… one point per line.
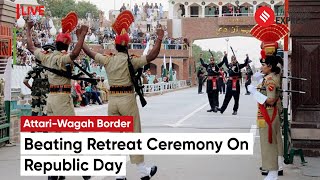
x=268, y=119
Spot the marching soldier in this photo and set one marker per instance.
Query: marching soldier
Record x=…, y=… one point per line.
x=249, y=74
x=212, y=82
x=200, y=76
x=59, y=102
x=122, y=100
x=233, y=84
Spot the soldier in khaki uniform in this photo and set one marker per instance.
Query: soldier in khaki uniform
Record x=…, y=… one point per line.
x=102, y=89
x=59, y=102
x=268, y=119
x=122, y=99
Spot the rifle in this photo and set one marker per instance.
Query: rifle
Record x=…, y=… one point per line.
x=211, y=53
x=67, y=74
x=136, y=81
x=232, y=51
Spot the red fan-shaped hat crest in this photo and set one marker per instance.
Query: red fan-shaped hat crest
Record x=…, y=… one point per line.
x=69, y=23
x=123, y=22
x=272, y=33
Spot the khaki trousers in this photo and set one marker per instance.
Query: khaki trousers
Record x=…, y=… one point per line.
x=126, y=105
x=60, y=104
x=270, y=152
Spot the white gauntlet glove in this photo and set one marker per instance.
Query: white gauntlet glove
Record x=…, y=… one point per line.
x=259, y=97
x=258, y=77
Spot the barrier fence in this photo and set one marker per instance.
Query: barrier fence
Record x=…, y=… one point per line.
x=164, y=86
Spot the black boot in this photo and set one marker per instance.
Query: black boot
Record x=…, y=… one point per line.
x=215, y=110
x=219, y=109
x=234, y=113
x=86, y=177
x=152, y=173
x=210, y=110
x=53, y=178
x=62, y=178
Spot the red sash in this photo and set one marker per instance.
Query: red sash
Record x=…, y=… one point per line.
x=269, y=121
x=234, y=83
x=214, y=81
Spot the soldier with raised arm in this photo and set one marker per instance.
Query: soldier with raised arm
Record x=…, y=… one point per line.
x=122, y=99
x=59, y=102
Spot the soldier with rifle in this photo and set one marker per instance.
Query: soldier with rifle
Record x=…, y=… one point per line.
x=212, y=81
x=58, y=63
x=233, y=84
x=124, y=73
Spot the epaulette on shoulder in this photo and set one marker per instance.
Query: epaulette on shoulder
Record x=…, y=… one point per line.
x=108, y=55
x=269, y=78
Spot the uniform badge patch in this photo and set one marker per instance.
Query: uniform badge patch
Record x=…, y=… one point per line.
x=271, y=87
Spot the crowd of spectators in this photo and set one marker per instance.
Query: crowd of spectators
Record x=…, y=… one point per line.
x=144, y=11
x=86, y=94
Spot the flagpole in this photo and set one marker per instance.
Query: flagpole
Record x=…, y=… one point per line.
x=285, y=86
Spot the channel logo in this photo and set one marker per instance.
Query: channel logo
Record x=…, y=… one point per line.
x=264, y=16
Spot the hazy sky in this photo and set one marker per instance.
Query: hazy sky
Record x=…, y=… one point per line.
x=240, y=45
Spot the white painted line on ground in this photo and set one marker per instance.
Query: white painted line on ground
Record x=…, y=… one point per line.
x=253, y=130
x=188, y=116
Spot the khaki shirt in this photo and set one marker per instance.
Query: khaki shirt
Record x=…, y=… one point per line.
x=117, y=67
x=272, y=85
x=55, y=60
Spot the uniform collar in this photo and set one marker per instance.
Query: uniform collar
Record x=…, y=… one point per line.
x=268, y=76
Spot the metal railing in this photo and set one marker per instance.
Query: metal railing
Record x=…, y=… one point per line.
x=162, y=87
x=143, y=46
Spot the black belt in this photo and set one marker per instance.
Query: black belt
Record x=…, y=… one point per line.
x=121, y=89
x=60, y=88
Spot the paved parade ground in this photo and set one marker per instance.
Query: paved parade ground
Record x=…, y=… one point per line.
x=184, y=111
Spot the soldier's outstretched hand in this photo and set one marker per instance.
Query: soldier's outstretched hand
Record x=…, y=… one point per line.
x=78, y=33
x=84, y=30
x=30, y=24
x=160, y=32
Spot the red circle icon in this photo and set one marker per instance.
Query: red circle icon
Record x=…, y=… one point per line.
x=264, y=16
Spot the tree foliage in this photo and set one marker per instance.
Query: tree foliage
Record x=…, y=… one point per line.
x=60, y=8
x=197, y=50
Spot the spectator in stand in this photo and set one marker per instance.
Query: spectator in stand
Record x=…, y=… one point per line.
x=123, y=7
x=160, y=11
x=149, y=10
x=136, y=9
x=149, y=22
x=155, y=15
x=146, y=7
x=92, y=94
